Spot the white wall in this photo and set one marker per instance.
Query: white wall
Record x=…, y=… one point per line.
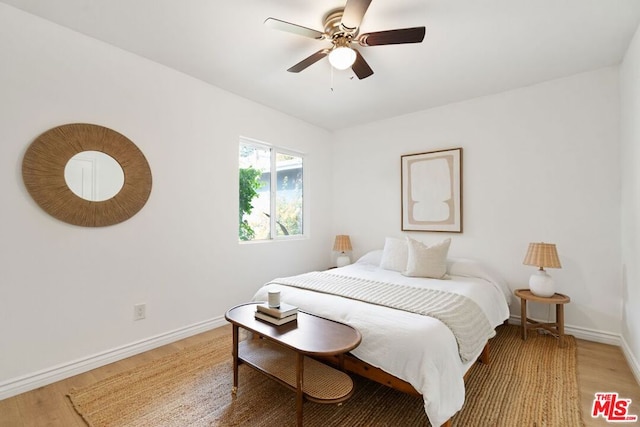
x=540, y=163
x=630, y=141
x=67, y=292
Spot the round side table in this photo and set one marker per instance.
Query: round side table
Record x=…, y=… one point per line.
x=556, y=328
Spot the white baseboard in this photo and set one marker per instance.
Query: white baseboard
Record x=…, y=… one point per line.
x=582, y=333
x=631, y=360
x=50, y=375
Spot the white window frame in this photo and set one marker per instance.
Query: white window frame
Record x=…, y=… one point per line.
x=273, y=235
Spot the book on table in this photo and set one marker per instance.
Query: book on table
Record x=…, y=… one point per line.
x=276, y=320
x=278, y=312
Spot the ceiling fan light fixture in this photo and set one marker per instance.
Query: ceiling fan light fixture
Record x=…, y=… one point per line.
x=342, y=57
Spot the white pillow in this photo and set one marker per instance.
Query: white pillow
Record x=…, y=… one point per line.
x=372, y=257
x=427, y=261
x=394, y=254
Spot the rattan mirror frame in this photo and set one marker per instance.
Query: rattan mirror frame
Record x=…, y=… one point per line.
x=43, y=174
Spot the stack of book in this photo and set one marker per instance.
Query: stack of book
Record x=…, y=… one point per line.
x=277, y=315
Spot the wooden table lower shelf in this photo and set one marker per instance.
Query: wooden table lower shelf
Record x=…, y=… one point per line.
x=322, y=383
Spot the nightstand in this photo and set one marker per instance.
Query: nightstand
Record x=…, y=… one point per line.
x=557, y=328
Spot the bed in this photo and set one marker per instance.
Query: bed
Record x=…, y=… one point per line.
x=418, y=350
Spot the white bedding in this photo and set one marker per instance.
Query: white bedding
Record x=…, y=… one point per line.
x=418, y=349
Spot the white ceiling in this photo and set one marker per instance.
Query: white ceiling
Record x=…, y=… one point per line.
x=472, y=47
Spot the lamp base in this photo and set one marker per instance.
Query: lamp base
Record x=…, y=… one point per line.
x=343, y=260
x=541, y=284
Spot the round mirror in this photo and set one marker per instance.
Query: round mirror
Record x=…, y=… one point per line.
x=94, y=176
x=83, y=197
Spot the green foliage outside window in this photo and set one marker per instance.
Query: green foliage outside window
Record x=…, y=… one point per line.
x=249, y=185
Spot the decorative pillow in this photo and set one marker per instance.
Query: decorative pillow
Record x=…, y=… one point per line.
x=372, y=258
x=427, y=261
x=394, y=254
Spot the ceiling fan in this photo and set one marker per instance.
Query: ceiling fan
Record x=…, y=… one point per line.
x=341, y=27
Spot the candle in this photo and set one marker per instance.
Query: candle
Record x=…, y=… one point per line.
x=274, y=299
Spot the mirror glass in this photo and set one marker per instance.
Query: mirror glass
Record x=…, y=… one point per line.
x=94, y=176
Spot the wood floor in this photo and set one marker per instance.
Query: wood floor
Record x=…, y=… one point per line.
x=601, y=368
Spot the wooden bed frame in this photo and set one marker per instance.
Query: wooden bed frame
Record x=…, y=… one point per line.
x=350, y=363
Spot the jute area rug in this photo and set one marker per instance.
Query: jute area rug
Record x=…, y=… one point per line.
x=528, y=383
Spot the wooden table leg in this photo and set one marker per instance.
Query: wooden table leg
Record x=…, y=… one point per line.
x=299, y=394
x=234, y=351
x=341, y=361
x=560, y=323
x=523, y=317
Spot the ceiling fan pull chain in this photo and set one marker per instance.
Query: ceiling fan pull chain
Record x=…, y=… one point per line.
x=331, y=68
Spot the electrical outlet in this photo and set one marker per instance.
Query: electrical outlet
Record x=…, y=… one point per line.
x=139, y=311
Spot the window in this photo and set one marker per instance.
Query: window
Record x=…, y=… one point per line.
x=271, y=192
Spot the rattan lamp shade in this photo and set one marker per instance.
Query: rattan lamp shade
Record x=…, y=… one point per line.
x=342, y=243
x=542, y=255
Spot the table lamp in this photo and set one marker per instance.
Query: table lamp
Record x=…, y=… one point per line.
x=342, y=245
x=542, y=255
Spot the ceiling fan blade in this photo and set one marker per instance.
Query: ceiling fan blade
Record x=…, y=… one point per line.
x=278, y=24
x=353, y=13
x=309, y=61
x=401, y=36
x=360, y=68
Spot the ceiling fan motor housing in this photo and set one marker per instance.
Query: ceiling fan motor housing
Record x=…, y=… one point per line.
x=333, y=25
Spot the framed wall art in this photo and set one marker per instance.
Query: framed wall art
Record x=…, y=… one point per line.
x=432, y=191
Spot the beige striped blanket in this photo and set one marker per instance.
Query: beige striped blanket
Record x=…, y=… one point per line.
x=460, y=314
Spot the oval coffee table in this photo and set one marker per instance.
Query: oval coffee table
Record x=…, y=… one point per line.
x=279, y=352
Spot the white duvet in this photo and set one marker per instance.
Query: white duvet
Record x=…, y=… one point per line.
x=418, y=349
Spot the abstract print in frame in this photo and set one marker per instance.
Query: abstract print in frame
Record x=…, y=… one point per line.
x=432, y=191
